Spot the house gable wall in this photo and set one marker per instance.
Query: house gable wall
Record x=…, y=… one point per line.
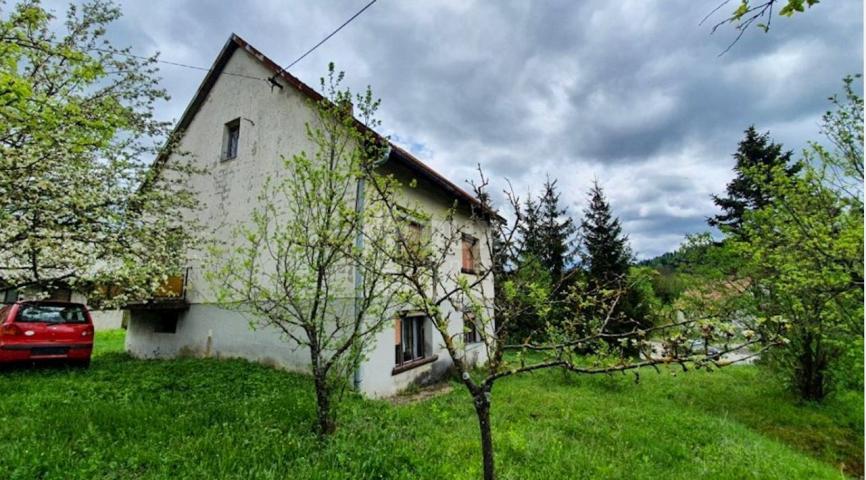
x=272, y=124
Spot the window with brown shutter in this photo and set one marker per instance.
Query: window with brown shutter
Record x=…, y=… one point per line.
x=470, y=254
x=410, y=349
x=410, y=235
x=413, y=234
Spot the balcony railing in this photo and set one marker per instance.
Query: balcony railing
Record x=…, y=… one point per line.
x=168, y=296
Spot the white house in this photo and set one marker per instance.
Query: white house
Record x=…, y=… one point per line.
x=235, y=129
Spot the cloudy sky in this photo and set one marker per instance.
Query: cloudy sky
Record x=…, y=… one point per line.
x=632, y=93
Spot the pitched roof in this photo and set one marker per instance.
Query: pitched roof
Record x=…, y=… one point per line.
x=398, y=155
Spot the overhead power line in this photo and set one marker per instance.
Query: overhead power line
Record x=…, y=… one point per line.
x=176, y=64
x=241, y=75
x=359, y=12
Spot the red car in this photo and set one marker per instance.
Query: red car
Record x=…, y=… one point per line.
x=46, y=330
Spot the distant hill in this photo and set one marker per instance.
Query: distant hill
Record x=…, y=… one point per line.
x=666, y=262
x=675, y=261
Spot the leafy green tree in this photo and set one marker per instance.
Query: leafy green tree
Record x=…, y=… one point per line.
x=814, y=244
x=801, y=256
x=755, y=153
x=312, y=261
x=80, y=202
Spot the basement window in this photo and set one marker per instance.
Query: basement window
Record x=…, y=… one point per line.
x=231, y=139
x=165, y=322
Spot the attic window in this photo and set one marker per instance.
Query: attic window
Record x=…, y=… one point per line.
x=231, y=138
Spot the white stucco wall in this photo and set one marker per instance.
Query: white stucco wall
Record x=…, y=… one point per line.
x=272, y=124
x=209, y=331
x=106, y=319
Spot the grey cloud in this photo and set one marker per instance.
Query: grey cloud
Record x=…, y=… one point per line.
x=631, y=92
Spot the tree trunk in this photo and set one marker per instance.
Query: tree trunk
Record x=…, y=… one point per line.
x=323, y=407
x=324, y=415
x=482, y=410
x=811, y=370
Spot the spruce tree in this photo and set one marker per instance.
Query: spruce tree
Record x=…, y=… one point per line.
x=607, y=257
x=548, y=232
x=557, y=232
x=605, y=251
x=546, y=248
x=530, y=241
x=743, y=192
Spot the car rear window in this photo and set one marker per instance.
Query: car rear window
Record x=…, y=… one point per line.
x=51, y=314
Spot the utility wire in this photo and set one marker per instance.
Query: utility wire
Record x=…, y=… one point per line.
x=176, y=64
x=241, y=75
x=359, y=12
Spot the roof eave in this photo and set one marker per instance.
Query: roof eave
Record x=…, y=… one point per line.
x=407, y=159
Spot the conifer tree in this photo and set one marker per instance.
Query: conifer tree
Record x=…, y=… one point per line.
x=746, y=192
x=605, y=251
x=607, y=257
x=529, y=231
x=557, y=232
x=547, y=246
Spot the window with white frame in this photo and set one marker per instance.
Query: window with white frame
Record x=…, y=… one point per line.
x=410, y=342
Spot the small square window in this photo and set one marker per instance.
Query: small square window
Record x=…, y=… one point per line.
x=231, y=139
x=411, y=233
x=166, y=322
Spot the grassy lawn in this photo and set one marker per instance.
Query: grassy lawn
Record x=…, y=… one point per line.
x=125, y=418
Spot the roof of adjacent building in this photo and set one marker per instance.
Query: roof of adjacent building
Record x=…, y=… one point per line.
x=397, y=155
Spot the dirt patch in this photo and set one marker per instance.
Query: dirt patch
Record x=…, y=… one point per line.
x=422, y=394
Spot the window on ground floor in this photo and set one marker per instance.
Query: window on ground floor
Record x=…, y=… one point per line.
x=470, y=328
x=165, y=322
x=409, y=338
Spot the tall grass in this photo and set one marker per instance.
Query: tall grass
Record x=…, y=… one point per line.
x=190, y=418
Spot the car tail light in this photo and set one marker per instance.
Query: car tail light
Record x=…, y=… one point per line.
x=87, y=332
x=9, y=330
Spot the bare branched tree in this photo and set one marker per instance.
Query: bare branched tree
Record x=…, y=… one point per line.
x=443, y=293
x=757, y=14
x=299, y=265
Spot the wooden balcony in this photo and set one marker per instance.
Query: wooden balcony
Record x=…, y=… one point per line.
x=171, y=295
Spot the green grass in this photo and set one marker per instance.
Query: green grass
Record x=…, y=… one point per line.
x=189, y=418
